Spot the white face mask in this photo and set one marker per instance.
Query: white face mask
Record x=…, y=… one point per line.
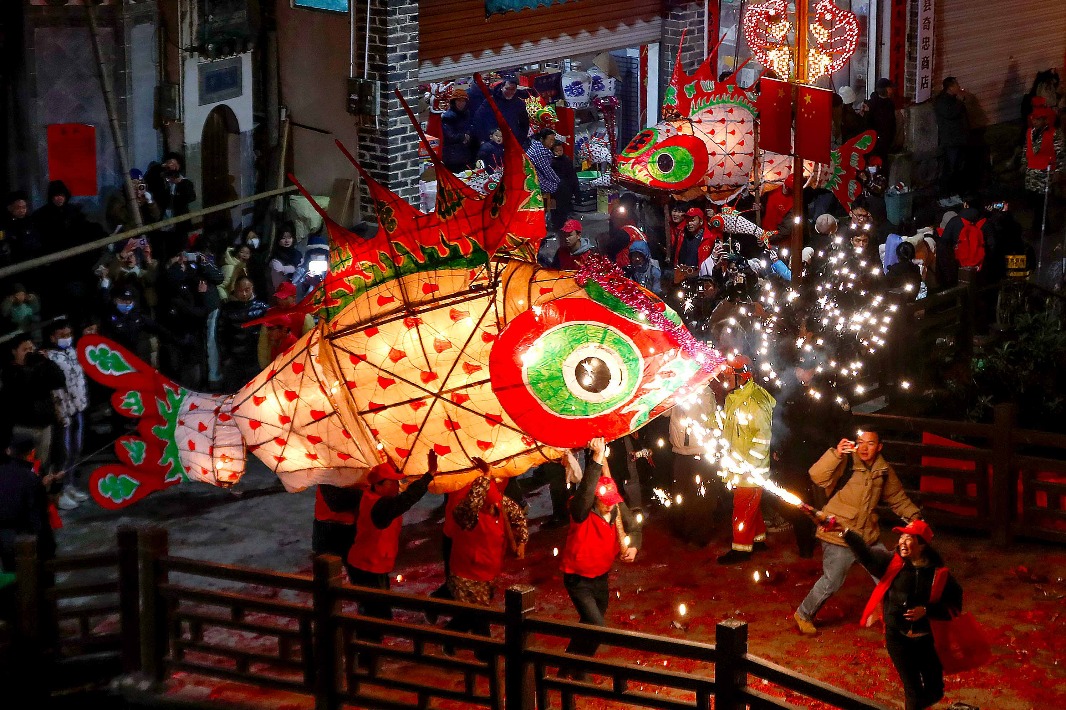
x=65, y=343
x=254, y=242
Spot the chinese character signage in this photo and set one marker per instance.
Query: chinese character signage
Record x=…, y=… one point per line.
x=923, y=75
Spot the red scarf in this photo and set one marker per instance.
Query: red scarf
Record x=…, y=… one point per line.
x=873, y=606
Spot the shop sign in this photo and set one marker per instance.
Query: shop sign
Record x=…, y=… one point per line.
x=497, y=7
x=923, y=75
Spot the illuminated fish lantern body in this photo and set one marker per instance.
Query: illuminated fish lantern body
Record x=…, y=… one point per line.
x=440, y=333
x=706, y=143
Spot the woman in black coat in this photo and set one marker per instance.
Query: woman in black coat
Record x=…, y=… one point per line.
x=456, y=141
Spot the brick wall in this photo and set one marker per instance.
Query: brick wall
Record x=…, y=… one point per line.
x=680, y=16
x=389, y=152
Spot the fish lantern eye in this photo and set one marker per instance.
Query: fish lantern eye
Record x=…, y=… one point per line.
x=593, y=375
x=664, y=162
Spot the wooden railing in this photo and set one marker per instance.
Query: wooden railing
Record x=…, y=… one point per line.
x=313, y=635
x=994, y=478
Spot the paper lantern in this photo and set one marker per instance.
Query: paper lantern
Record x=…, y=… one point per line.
x=415, y=351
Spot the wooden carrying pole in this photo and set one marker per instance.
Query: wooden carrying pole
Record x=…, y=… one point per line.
x=799, y=222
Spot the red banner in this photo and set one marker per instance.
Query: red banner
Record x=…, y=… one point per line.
x=775, y=116
x=72, y=157
x=814, y=122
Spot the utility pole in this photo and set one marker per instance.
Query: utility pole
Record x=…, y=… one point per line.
x=795, y=260
x=112, y=115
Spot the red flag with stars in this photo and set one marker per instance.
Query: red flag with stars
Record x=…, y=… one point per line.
x=775, y=116
x=814, y=122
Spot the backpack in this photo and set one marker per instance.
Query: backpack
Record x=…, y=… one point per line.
x=970, y=250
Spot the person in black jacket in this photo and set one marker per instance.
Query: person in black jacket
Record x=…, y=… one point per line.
x=125, y=322
x=456, y=141
x=511, y=100
x=490, y=154
x=190, y=297
x=238, y=344
x=563, y=165
x=20, y=240
x=915, y=586
x=61, y=225
x=881, y=117
x=174, y=192
x=23, y=504
x=26, y=391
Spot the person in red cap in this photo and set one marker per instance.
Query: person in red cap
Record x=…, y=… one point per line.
x=601, y=530
x=574, y=246
x=284, y=329
x=484, y=522
x=857, y=480
x=377, y=528
x=695, y=246
x=778, y=204
x=915, y=587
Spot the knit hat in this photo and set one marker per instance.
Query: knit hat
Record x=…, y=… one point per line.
x=948, y=216
x=456, y=94
x=607, y=491
x=918, y=528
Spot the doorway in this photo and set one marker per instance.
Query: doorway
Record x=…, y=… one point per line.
x=220, y=157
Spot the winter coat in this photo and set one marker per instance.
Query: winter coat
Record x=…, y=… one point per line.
x=232, y=269
x=951, y=124
x=491, y=155
x=455, y=125
x=854, y=504
x=74, y=398
x=746, y=429
x=513, y=111
x=235, y=341
x=27, y=391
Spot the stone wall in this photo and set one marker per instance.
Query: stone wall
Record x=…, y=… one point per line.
x=389, y=150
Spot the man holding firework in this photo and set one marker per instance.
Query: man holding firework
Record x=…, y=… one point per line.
x=856, y=479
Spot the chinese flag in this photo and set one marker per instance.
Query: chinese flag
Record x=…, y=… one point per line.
x=775, y=116
x=814, y=123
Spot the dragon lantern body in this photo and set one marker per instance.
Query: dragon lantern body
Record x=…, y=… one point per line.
x=440, y=332
x=706, y=143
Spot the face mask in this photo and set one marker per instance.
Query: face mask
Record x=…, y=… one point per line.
x=873, y=169
x=124, y=307
x=254, y=242
x=65, y=343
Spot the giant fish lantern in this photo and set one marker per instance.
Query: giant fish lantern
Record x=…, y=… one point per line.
x=439, y=333
x=706, y=143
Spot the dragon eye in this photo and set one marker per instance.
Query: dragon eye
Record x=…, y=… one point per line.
x=575, y=369
x=671, y=164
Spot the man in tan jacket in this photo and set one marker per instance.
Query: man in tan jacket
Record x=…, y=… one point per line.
x=853, y=496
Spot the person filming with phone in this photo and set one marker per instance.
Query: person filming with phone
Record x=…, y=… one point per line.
x=856, y=479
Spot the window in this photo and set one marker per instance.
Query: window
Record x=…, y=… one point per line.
x=332, y=5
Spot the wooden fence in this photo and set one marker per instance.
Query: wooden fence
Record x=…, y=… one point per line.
x=314, y=635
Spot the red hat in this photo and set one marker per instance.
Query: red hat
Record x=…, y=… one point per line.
x=874, y=160
x=571, y=225
x=918, y=528
x=607, y=491
x=285, y=290
x=694, y=212
x=383, y=472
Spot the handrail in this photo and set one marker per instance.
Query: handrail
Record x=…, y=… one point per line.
x=47, y=259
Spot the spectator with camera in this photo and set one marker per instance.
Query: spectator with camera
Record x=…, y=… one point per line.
x=190, y=302
x=120, y=214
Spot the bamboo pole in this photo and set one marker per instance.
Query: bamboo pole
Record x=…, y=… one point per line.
x=136, y=232
x=112, y=116
x=796, y=261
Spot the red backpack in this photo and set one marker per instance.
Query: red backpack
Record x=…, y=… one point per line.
x=970, y=251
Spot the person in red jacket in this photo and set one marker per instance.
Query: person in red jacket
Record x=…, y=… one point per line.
x=333, y=530
x=601, y=530
x=778, y=204
x=485, y=523
x=372, y=555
